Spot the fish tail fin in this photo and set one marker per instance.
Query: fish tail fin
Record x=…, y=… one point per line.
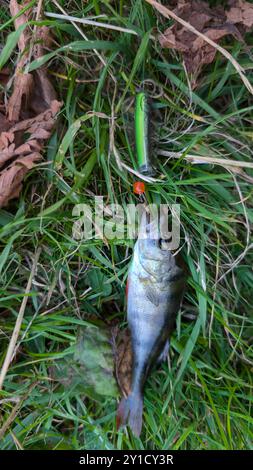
x=130, y=411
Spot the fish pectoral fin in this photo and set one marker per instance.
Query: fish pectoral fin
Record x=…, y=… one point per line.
x=164, y=354
x=153, y=296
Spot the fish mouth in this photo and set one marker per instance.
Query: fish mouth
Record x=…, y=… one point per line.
x=151, y=232
x=153, y=250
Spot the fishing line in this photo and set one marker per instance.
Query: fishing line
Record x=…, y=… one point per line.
x=145, y=86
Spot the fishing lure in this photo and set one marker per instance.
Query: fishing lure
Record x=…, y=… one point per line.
x=155, y=289
x=143, y=135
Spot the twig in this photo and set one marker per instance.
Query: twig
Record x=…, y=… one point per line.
x=16, y=441
x=9, y=420
x=39, y=10
x=170, y=14
x=198, y=159
x=9, y=355
x=15, y=410
x=87, y=21
x=33, y=38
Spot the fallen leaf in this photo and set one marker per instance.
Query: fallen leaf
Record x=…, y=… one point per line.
x=11, y=178
x=214, y=23
x=89, y=370
x=4, y=123
x=241, y=12
x=4, y=76
x=27, y=120
x=15, y=9
x=23, y=86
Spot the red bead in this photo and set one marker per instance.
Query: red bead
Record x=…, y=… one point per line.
x=139, y=187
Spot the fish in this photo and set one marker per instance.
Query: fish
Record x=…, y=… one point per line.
x=155, y=285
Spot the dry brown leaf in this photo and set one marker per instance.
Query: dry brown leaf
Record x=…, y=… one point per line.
x=23, y=86
x=11, y=177
x=241, y=12
x=4, y=76
x=15, y=9
x=4, y=123
x=214, y=23
x=29, y=117
x=33, y=92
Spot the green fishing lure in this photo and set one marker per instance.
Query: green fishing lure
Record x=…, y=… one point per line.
x=143, y=135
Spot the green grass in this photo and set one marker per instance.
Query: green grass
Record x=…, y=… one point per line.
x=201, y=399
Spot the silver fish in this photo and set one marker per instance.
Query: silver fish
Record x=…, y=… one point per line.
x=156, y=283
